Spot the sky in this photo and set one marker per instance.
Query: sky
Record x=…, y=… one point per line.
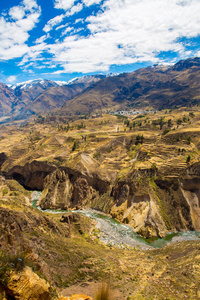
x=63, y=39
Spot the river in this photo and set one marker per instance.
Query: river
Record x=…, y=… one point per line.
x=114, y=233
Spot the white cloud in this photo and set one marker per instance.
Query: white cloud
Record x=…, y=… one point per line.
x=58, y=19
x=30, y=4
x=11, y=79
x=53, y=22
x=64, y=4
x=68, y=4
x=14, y=28
x=67, y=30
x=123, y=32
x=75, y=9
x=17, y=12
x=41, y=39
x=128, y=31
x=91, y=2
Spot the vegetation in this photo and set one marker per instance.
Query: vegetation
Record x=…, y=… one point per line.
x=165, y=131
x=103, y=292
x=188, y=159
x=8, y=263
x=139, y=139
x=74, y=146
x=138, y=159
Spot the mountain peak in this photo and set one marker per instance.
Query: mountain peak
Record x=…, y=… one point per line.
x=31, y=83
x=187, y=63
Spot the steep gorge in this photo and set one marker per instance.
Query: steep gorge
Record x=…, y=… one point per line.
x=146, y=200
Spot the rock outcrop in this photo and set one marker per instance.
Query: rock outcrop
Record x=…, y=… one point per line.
x=74, y=186
x=31, y=175
x=154, y=205
x=146, y=199
x=27, y=285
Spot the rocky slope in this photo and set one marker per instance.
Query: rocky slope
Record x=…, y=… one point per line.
x=149, y=185
x=39, y=96
x=156, y=87
x=7, y=98
x=133, y=171
x=35, y=245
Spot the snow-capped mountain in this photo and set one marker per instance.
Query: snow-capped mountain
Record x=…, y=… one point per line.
x=87, y=79
x=44, y=83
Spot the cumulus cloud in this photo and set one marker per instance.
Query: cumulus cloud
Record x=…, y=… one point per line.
x=64, y=4
x=122, y=32
x=91, y=2
x=14, y=28
x=129, y=31
x=67, y=4
x=11, y=79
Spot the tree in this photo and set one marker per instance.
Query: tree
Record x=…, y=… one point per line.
x=74, y=146
x=188, y=159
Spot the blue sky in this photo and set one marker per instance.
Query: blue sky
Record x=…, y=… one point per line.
x=62, y=39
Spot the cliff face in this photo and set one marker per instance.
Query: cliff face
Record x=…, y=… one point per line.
x=27, y=285
x=145, y=199
x=32, y=174
x=76, y=185
x=154, y=205
x=29, y=250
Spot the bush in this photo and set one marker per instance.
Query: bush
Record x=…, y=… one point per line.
x=103, y=292
x=189, y=140
x=97, y=155
x=165, y=131
x=188, y=159
x=74, y=146
x=191, y=114
x=139, y=139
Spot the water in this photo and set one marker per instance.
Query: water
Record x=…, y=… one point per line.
x=35, y=195
x=114, y=233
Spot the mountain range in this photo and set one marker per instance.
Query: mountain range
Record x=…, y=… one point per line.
x=156, y=87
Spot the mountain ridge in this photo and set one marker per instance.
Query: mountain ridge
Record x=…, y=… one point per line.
x=154, y=87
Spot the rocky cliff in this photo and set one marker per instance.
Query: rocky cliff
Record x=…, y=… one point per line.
x=155, y=204
x=146, y=199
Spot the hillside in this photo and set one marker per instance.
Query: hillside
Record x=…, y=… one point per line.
x=38, y=96
x=157, y=87
x=154, y=88
x=7, y=98
x=143, y=170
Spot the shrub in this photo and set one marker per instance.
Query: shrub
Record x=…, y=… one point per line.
x=74, y=146
x=103, y=292
x=188, y=159
x=189, y=140
x=139, y=139
x=97, y=155
x=165, y=131
x=179, y=121
x=191, y=114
